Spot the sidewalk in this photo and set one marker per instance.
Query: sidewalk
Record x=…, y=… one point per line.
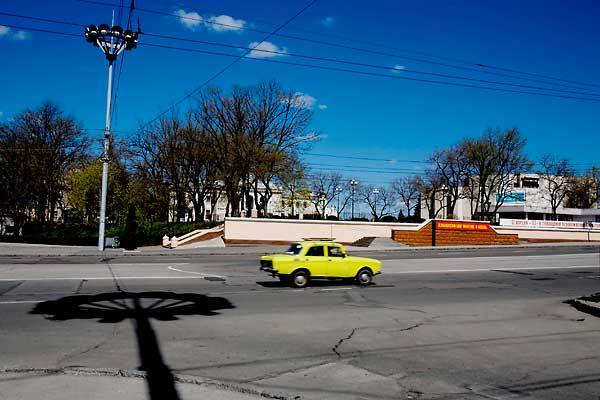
x=77, y=384
x=28, y=250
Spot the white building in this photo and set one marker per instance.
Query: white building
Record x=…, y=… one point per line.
x=280, y=204
x=527, y=198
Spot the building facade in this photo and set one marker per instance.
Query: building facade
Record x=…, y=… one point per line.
x=528, y=198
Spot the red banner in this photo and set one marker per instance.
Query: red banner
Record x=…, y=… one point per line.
x=462, y=226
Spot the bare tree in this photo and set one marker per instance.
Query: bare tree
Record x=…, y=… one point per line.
x=256, y=131
x=432, y=192
x=158, y=160
x=293, y=180
x=452, y=166
x=584, y=190
x=494, y=159
x=408, y=190
x=378, y=200
x=323, y=190
x=37, y=150
x=558, y=179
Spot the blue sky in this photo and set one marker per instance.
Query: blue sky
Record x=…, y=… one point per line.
x=359, y=116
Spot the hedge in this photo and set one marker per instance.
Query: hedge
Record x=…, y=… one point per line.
x=148, y=234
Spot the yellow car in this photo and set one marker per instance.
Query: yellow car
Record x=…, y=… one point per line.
x=319, y=260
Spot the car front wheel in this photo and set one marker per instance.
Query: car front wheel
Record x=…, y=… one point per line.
x=300, y=279
x=364, y=277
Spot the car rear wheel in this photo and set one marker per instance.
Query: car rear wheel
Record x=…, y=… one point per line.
x=300, y=279
x=364, y=277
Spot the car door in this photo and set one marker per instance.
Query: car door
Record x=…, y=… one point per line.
x=336, y=261
x=316, y=261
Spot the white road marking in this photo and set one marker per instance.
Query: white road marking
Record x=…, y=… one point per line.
x=22, y=302
x=437, y=271
x=99, y=278
x=195, y=273
x=342, y=288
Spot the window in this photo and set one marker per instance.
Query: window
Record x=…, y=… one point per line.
x=316, y=251
x=295, y=249
x=530, y=182
x=335, y=252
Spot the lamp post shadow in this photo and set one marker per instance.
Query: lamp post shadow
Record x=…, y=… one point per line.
x=140, y=308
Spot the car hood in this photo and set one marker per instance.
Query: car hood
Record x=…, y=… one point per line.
x=364, y=260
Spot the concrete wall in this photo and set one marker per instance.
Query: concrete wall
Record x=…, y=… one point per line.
x=258, y=230
x=551, y=234
x=283, y=231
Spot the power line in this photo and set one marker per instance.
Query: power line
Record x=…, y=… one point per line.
x=121, y=62
x=477, y=67
x=327, y=59
x=366, y=73
x=313, y=66
x=237, y=58
x=365, y=158
x=391, y=169
x=361, y=64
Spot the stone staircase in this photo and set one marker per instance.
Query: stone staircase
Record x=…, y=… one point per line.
x=194, y=237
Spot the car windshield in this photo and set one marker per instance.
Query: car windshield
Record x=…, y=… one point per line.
x=295, y=249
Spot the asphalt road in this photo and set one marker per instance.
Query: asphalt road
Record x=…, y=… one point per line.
x=463, y=326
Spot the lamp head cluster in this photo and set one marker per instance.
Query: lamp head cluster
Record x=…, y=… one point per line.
x=112, y=40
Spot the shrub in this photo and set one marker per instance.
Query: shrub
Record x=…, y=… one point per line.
x=148, y=234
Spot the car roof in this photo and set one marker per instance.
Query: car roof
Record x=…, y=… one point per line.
x=319, y=242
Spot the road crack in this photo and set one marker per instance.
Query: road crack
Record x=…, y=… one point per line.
x=342, y=340
x=12, y=287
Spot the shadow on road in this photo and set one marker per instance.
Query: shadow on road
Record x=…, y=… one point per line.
x=312, y=283
x=140, y=308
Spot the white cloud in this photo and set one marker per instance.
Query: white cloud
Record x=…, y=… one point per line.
x=398, y=68
x=313, y=137
x=189, y=19
x=21, y=35
x=323, y=106
x=5, y=31
x=328, y=21
x=225, y=23
x=264, y=49
x=303, y=100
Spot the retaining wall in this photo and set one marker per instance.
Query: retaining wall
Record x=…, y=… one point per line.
x=454, y=233
x=283, y=231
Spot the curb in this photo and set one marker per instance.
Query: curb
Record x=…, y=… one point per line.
x=129, y=373
x=219, y=251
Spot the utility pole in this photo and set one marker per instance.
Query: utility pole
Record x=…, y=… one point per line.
x=338, y=190
x=112, y=41
x=353, y=184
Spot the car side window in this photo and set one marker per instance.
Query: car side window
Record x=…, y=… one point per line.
x=335, y=251
x=315, y=251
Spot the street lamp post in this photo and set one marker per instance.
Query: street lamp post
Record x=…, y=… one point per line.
x=353, y=184
x=112, y=41
x=338, y=190
x=376, y=193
